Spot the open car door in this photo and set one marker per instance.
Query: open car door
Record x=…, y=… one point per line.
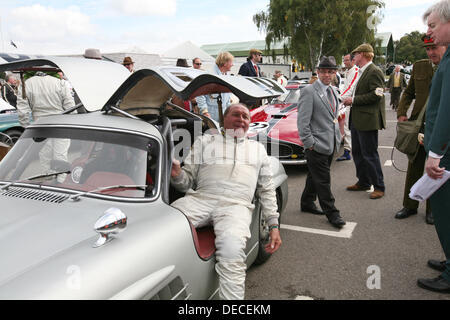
x=147, y=90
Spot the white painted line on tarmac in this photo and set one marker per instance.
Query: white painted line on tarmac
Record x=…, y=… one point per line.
x=345, y=232
x=303, y=298
x=388, y=163
x=384, y=147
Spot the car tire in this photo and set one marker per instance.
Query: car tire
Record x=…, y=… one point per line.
x=14, y=134
x=264, y=238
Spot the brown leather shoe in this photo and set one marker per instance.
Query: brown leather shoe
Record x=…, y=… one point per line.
x=376, y=194
x=357, y=187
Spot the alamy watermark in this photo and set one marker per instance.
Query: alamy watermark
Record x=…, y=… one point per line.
x=73, y=281
x=374, y=20
x=374, y=280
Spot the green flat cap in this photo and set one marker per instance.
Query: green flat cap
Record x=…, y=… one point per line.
x=365, y=47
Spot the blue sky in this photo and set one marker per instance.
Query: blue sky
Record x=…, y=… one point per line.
x=154, y=26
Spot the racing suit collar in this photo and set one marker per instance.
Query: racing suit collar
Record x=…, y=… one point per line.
x=227, y=136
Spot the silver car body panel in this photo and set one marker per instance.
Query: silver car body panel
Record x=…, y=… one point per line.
x=61, y=263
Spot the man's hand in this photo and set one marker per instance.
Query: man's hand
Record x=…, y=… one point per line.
x=432, y=168
x=402, y=118
x=176, y=168
x=347, y=101
x=420, y=138
x=275, y=241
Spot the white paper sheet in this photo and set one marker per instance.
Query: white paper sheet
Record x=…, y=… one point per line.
x=426, y=186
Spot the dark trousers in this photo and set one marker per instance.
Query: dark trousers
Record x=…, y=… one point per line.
x=414, y=173
x=366, y=158
x=395, y=97
x=440, y=205
x=318, y=182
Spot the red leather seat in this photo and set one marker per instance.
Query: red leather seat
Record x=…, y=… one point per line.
x=204, y=241
x=104, y=179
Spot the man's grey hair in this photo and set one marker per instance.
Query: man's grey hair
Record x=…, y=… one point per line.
x=9, y=76
x=228, y=110
x=442, y=9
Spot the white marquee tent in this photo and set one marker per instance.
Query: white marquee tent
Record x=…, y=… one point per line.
x=188, y=51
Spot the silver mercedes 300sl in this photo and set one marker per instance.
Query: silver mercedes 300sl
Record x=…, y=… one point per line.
x=97, y=223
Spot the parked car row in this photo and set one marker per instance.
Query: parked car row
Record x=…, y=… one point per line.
x=275, y=125
x=10, y=128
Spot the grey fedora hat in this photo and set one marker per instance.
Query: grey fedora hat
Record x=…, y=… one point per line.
x=92, y=53
x=327, y=63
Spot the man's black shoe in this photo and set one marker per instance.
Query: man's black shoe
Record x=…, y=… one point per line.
x=336, y=221
x=405, y=213
x=311, y=209
x=429, y=217
x=436, y=265
x=438, y=284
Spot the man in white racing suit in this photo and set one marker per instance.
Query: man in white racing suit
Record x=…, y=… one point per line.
x=43, y=95
x=220, y=177
x=351, y=79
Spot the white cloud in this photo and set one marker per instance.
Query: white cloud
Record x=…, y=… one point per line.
x=39, y=29
x=144, y=7
x=408, y=25
x=398, y=4
x=38, y=23
x=404, y=16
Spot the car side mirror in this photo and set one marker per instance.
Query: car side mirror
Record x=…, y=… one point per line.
x=111, y=223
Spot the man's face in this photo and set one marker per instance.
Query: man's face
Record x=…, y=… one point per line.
x=227, y=66
x=197, y=64
x=435, y=53
x=358, y=58
x=257, y=57
x=348, y=61
x=438, y=30
x=237, y=120
x=326, y=75
x=130, y=66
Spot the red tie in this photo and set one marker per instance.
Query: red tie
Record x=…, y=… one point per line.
x=256, y=69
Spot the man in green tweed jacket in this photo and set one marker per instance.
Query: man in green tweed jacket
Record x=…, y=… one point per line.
x=367, y=116
x=418, y=89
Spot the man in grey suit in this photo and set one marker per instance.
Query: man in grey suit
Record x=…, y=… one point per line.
x=318, y=128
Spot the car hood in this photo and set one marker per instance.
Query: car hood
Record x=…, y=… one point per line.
x=22, y=220
x=267, y=112
x=102, y=83
x=277, y=122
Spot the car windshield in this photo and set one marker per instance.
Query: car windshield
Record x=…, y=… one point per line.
x=292, y=96
x=102, y=162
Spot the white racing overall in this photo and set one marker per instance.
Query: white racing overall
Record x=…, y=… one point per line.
x=46, y=95
x=220, y=177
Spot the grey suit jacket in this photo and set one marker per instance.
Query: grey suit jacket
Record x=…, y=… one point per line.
x=316, y=122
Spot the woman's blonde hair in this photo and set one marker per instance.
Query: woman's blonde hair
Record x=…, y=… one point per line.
x=223, y=58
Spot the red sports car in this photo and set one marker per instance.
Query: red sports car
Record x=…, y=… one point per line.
x=275, y=125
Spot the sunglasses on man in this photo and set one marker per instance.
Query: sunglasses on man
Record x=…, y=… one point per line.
x=198, y=63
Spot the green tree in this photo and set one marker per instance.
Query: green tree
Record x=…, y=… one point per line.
x=409, y=48
x=314, y=28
